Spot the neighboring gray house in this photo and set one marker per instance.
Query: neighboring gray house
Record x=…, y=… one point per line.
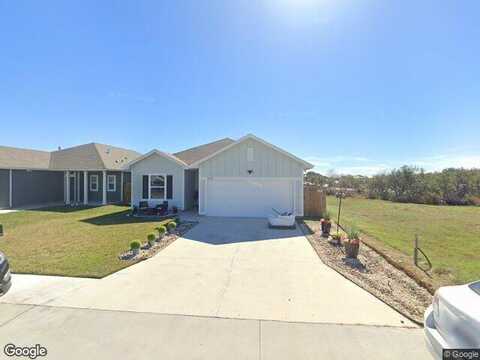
x=247, y=177
x=73, y=175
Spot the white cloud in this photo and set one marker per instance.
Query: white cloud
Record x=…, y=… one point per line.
x=356, y=165
x=440, y=162
x=362, y=170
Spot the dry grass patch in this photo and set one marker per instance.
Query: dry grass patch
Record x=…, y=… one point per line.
x=449, y=235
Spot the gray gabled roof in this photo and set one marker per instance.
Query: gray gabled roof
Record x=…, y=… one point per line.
x=83, y=157
x=197, y=153
x=115, y=158
x=96, y=156
x=92, y=157
x=17, y=158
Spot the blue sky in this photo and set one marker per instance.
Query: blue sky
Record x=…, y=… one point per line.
x=352, y=86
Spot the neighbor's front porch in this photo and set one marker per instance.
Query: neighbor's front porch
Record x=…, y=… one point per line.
x=96, y=187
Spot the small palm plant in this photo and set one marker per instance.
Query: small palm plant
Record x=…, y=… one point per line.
x=352, y=245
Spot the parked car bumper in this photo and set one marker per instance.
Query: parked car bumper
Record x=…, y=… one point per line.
x=5, y=283
x=5, y=276
x=433, y=339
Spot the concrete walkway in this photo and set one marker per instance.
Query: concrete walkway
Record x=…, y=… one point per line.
x=69, y=333
x=7, y=211
x=30, y=207
x=228, y=268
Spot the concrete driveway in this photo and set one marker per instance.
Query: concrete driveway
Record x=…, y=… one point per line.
x=229, y=268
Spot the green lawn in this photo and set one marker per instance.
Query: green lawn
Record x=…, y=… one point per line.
x=71, y=241
x=450, y=235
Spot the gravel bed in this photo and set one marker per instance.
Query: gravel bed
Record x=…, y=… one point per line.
x=373, y=273
x=147, y=251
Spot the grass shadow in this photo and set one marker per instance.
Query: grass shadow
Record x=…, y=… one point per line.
x=121, y=217
x=64, y=209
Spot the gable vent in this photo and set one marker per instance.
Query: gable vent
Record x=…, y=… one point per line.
x=250, y=154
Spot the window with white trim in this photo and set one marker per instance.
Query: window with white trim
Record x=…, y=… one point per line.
x=111, y=183
x=157, y=187
x=93, y=182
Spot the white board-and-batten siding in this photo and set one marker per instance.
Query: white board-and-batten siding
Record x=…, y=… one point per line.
x=252, y=159
x=267, y=162
x=158, y=165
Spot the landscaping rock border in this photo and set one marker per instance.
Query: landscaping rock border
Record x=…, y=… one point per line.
x=147, y=251
x=373, y=273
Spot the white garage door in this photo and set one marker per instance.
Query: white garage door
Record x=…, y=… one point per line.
x=248, y=197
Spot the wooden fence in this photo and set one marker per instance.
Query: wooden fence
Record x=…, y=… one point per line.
x=314, y=201
x=127, y=192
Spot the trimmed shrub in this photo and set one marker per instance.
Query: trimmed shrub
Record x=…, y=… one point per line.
x=161, y=231
x=135, y=245
x=151, y=238
x=171, y=226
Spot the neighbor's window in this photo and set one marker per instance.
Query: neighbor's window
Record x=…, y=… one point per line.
x=112, y=183
x=157, y=187
x=93, y=182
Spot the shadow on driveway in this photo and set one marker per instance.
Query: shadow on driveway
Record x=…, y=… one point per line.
x=222, y=231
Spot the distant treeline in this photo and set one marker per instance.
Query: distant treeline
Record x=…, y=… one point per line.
x=410, y=184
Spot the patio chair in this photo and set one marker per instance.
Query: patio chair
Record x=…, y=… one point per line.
x=145, y=209
x=162, y=209
x=143, y=205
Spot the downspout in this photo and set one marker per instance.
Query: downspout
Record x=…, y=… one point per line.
x=10, y=194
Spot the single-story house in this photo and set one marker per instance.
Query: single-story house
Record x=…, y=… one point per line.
x=85, y=174
x=247, y=177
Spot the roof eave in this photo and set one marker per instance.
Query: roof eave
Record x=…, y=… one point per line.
x=156, y=152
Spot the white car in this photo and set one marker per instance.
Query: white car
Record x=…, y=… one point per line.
x=453, y=320
x=5, y=278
